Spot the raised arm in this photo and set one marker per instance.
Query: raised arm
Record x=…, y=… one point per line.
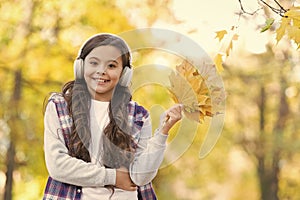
x=150, y=151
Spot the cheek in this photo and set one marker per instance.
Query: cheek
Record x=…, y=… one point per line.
x=116, y=74
x=87, y=71
x=87, y=76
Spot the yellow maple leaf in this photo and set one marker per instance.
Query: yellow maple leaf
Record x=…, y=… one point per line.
x=218, y=62
x=282, y=28
x=183, y=93
x=293, y=12
x=293, y=29
x=191, y=74
x=235, y=37
x=189, y=88
x=229, y=48
x=290, y=24
x=220, y=34
x=294, y=33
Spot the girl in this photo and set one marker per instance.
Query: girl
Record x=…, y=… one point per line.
x=98, y=142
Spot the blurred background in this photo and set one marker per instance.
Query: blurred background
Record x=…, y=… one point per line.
x=257, y=155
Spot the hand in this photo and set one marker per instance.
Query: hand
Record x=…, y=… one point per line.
x=123, y=180
x=171, y=116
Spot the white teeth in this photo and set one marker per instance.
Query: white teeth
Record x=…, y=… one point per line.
x=101, y=80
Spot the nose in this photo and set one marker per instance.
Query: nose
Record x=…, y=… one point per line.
x=101, y=70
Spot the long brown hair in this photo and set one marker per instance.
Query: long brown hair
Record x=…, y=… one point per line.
x=117, y=141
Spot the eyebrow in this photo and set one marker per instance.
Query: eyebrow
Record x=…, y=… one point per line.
x=112, y=60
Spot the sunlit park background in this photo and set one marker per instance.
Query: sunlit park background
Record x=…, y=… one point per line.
x=257, y=155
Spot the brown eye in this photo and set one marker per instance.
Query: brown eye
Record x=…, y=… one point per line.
x=112, y=66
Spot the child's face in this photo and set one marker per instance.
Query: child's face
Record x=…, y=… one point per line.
x=102, y=70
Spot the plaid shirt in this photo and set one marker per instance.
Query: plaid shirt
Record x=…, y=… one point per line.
x=56, y=190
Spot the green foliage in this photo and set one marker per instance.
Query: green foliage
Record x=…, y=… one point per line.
x=268, y=25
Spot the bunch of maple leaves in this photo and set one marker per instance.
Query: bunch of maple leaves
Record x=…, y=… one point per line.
x=188, y=87
x=290, y=25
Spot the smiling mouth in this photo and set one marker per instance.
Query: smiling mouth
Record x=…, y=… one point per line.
x=101, y=80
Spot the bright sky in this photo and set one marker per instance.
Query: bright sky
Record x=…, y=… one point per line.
x=202, y=18
x=214, y=15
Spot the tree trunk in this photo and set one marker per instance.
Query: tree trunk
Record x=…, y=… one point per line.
x=9, y=172
x=13, y=122
x=264, y=172
x=267, y=173
x=268, y=169
x=23, y=32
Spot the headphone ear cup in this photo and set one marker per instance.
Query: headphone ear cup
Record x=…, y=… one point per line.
x=126, y=76
x=78, y=69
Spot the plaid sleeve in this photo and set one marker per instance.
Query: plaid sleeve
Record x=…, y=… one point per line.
x=137, y=115
x=56, y=190
x=146, y=192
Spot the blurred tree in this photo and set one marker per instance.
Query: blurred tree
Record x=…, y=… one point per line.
x=149, y=11
x=265, y=118
x=39, y=41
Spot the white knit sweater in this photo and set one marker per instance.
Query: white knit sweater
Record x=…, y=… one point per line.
x=94, y=176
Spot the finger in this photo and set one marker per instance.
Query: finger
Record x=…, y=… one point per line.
x=177, y=108
x=173, y=117
x=175, y=112
x=180, y=107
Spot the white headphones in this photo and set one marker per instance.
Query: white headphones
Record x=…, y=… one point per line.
x=78, y=65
